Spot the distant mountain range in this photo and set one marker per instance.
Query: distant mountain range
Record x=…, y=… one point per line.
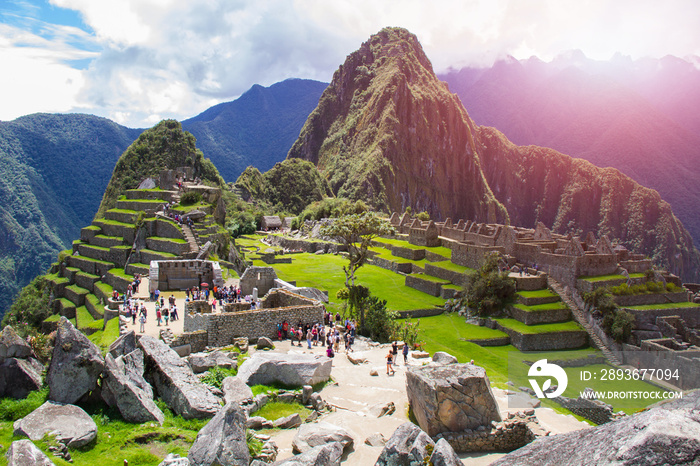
x=640, y=117
x=54, y=168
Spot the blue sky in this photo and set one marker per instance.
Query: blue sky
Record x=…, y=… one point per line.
x=139, y=61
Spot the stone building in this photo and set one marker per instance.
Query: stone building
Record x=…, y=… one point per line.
x=180, y=274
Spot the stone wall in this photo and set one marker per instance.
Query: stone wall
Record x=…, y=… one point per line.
x=593, y=410
x=262, y=278
x=507, y=435
x=544, y=341
x=655, y=356
x=418, y=313
x=651, y=298
x=305, y=245
x=197, y=340
x=471, y=255
x=426, y=286
x=400, y=267
x=166, y=245
x=638, y=266
x=540, y=317
x=408, y=253
x=178, y=274
x=531, y=282
x=646, y=318
x=456, y=278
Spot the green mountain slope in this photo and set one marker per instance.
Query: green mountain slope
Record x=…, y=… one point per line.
x=387, y=131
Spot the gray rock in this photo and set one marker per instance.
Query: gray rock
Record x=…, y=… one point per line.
x=241, y=343
x=258, y=422
x=316, y=401
x=264, y=343
x=12, y=345
x=75, y=366
x=235, y=390
x=174, y=459
x=148, y=183
x=202, y=362
x=407, y=446
x=125, y=344
x=292, y=370
x=444, y=455
x=356, y=358
x=18, y=377
x=223, y=440
x=441, y=357
x=175, y=382
x=289, y=422
x=320, y=433
x=306, y=392
x=128, y=390
x=451, y=398
x=70, y=424
x=382, y=409
x=323, y=455
x=375, y=440
x=666, y=433
x=286, y=397
x=25, y=453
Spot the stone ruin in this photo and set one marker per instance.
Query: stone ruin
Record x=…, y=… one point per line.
x=455, y=402
x=262, y=278
x=180, y=274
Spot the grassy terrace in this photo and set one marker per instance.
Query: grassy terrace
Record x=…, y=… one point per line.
x=104, y=288
x=325, y=272
x=104, y=221
x=77, y=290
x=448, y=332
x=647, y=307
x=386, y=254
x=537, y=294
x=452, y=267
x=166, y=255
x=85, y=319
x=541, y=307
x=441, y=250
x=603, y=278
x=519, y=327
x=430, y=278
x=170, y=240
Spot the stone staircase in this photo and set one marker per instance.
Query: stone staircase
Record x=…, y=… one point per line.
x=191, y=240
x=580, y=317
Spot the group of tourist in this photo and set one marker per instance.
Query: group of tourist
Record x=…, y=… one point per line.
x=138, y=311
x=327, y=335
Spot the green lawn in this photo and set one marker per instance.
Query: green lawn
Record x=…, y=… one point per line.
x=386, y=254
x=451, y=266
x=106, y=337
x=275, y=410
x=325, y=272
x=541, y=307
x=602, y=278
x=537, y=294
x=519, y=327
x=647, y=307
x=505, y=363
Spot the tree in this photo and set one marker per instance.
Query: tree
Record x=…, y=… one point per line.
x=488, y=291
x=356, y=232
x=375, y=321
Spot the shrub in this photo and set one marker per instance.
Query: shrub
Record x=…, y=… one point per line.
x=489, y=291
x=423, y=216
x=190, y=198
x=622, y=325
x=216, y=375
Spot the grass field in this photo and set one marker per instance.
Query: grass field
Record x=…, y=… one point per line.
x=519, y=327
x=537, y=294
x=541, y=307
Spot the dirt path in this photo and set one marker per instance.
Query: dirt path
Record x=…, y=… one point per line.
x=354, y=391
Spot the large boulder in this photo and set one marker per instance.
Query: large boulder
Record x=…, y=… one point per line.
x=25, y=453
x=223, y=440
x=123, y=386
x=175, y=382
x=667, y=433
x=75, y=366
x=264, y=343
x=202, y=362
x=322, y=455
x=293, y=370
x=408, y=445
x=18, y=377
x=12, y=345
x=451, y=398
x=444, y=455
x=235, y=390
x=70, y=425
x=125, y=344
x=320, y=433
x=441, y=357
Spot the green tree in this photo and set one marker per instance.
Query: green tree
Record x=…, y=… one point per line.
x=489, y=291
x=374, y=320
x=356, y=232
x=30, y=308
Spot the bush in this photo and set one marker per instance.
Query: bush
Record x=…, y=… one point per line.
x=489, y=291
x=190, y=198
x=423, y=216
x=621, y=328
x=375, y=321
x=600, y=299
x=216, y=375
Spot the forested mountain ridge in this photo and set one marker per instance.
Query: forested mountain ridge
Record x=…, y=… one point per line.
x=387, y=131
x=637, y=116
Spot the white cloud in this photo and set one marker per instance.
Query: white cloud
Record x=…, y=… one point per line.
x=169, y=58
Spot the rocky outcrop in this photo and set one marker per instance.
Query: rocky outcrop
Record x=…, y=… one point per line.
x=222, y=440
x=69, y=424
x=666, y=433
x=320, y=433
x=175, y=382
x=451, y=398
x=444, y=455
x=123, y=386
x=322, y=455
x=12, y=345
x=235, y=390
x=125, y=344
x=292, y=370
x=25, y=453
x=408, y=445
x=441, y=357
x=264, y=343
x=202, y=362
x=75, y=366
x=18, y=377
x=287, y=422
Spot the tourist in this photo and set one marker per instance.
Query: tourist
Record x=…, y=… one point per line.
x=329, y=351
x=300, y=335
x=142, y=320
x=390, y=363
x=285, y=329
x=158, y=315
x=213, y=305
x=405, y=353
x=279, y=331
x=133, y=315
x=166, y=315
x=173, y=314
x=322, y=335
x=395, y=350
x=309, y=336
x=156, y=294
